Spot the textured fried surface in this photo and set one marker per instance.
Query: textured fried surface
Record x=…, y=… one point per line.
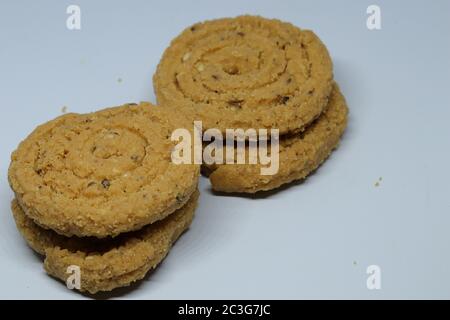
x=106, y=264
x=300, y=154
x=246, y=72
x=102, y=173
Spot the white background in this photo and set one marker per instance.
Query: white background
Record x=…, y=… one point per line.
x=311, y=240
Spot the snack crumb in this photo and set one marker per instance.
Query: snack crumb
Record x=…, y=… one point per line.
x=119, y=80
x=64, y=109
x=378, y=182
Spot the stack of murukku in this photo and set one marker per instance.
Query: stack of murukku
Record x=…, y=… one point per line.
x=254, y=73
x=100, y=193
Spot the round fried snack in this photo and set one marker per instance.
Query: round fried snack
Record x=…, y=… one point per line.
x=299, y=154
x=106, y=264
x=246, y=72
x=103, y=173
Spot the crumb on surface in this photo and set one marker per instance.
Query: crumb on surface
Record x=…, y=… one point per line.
x=64, y=109
x=378, y=182
x=119, y=80
x=355, y=263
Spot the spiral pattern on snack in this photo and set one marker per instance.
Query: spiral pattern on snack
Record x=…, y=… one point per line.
x=246, y=72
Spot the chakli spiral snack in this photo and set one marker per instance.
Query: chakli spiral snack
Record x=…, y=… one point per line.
x=299, y=154
x=100, y=192
x=103, y=173
x=246, y=72
x=106, y=264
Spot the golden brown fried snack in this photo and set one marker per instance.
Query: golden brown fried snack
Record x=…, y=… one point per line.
x=106, y=264
x=299, y=155
x=246, y=72
x=102, y=173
